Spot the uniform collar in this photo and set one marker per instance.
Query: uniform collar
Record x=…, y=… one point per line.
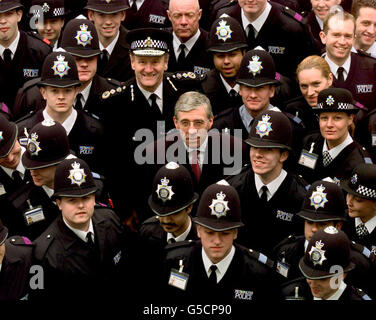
x=68, y=123
x=79, y=233
x=222, y=265
x=111, y=46
x=189, y=44
x=13, y=46
x=86, y=91
x=227, y=86
x=272, y=186
x=370, y=224
x=183, y=236
x=334, y=67
x=337, y=150
x=320, y=22
x=259, y=22
x=20, y=168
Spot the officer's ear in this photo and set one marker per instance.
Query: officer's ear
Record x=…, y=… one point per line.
x=58, y=202
x=198, y=229
x=123, y=15
x=19, y=15
x=90, y=15
x=43, y=92
x=189, y=209
x=284, y=155
x=323, y=37
x=166, y=57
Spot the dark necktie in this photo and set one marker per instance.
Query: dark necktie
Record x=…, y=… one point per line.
x=361, y=230
x=16, y=177
x=103, y=60
x=213, y=274
x=251, y=36
x=171, y=240
x=340, y=76
x=78, y=104
x=7, y=54
x=154, y=105
x=134, y=6
x=264, y=195
x=89, y=242
x=181, y=57
x=233, y=94
x=195, y=164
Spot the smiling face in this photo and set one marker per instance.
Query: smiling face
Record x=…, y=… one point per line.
x=365, y=28
x=322, y=288
x=321, y=7
x=44, y=176
x=176, y=223
x=9, y=26
x=216, y=244
x=77, y=212
x=334, y=127
x=252, y=8
x=362, y=208
x=228, y=63
x=51, y=29
x=256, y=99
x=12, y=160
x=106, y=24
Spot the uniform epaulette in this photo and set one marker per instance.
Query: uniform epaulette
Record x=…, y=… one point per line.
x=295, y=118
x=19, y=241
x=224, y=113
x=92, y=115
x=290, y=239
x=42, y=245
x=151, y=220
x=261, y=258
x=366, y=156
x=115, y=82
x=112, y=92
x=362, y=294
x=37, y=36
x=363, y=250
x=180, y=244
x=29, y=115
x=31, y=83
x=293, y=14
x=302, y=181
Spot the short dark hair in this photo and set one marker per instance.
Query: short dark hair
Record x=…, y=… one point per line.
x=358, y=4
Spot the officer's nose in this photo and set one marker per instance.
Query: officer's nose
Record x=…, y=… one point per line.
x=371, y=28
x=311, y=90
x=148, y=67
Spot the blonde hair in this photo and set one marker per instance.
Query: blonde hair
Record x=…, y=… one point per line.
x=314, y=62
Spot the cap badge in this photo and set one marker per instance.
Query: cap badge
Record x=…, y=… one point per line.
x=60, y=66
x=1, y=136
x=77, y=175
x=108, y=1
x=164, y=191
x=48, y=123
x=33, y=144
x=83, y=36
x=329, y=100
x=172, y=165
x=316, y=254
x=331, y=230
x=318, y=197
x=255, y=66
x=219, y=206
x=45, y=7
x=148, y=42
x=223, y=31
x=264, y=127
x=354, y=179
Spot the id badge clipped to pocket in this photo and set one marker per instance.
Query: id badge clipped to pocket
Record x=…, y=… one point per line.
x=34, y=214
x=308, y=158
x=178, y=278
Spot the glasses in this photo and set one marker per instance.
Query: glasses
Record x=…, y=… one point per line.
x=188, y=15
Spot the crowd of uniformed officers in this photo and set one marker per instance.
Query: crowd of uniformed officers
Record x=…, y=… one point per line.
x=187, y=151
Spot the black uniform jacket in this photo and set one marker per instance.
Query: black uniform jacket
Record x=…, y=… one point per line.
x=71, y=267
x=85, y=138
x=282, y=35
x=197, y=60
x=119, y=64
x=314, y=29
x=15, y=269
x=340, y=168
x=26, y=64
x=278, y=216
x=246, y=280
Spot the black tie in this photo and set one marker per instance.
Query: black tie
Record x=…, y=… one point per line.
x=340, y=77
x=134, y=6
x=78, y=104
x=233, y=94
x=171, y=240
x=264, y=196
x=89, y=240
x=154, y=105
x=7, y=54
x=251, y=36
x=181, y=58
x=103, y=60
x=213, y=274
x=16, y=177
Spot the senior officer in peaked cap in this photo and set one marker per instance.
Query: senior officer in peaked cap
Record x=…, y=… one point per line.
x=228, y=45
x=270, y=194
x=89, y=242
x=15, y=263
x=59, y=86
x=149, y=98
x=332, y=152
x=215, y=269
x=107, y=17
x=325, y=265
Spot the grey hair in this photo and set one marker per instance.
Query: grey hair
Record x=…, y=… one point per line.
x=193, y=100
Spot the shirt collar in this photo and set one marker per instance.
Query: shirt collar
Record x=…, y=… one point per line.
x=320, y=22
x=13, y=46
x=334, y=67
x=111, y=46
x=68, y=123
x=259, y=22
x=48, y=190
x=183, y=236
x=227, y=86
x=372, y=49
x=189, y=43
x=337, y=150
x=247, y=118
x=86, y=91
x=336, y=295
x=79, y=233
x=370, y=224
x=138, y=3
x=272, y=186
x=222, y=265
x=20, y=168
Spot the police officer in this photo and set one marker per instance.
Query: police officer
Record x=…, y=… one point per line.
x=270, y=195
x=22, y=54
x=227, y=44
x=15, y=263
x=188, y=48
x=88, y=237
x=59, y=86
x=332, y=153
x=325, y=266
x=216, y=269
x=107, y=17
x=53, y=13
x=324, y=205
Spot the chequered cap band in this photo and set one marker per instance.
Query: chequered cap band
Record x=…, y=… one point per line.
x=149, y=44
x=341, y=105
x=58, y=12
x=367, y=192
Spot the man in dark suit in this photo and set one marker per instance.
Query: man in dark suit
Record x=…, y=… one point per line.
x=188, y=49
x=81, y=250
x=107, y=17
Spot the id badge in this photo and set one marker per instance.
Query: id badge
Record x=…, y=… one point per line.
x=34, y=215
x=178, y=279
x=2, y=190
x=308, y=159
x=283, y=269
x=373, y=140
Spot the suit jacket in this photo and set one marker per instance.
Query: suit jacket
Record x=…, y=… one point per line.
x=198, y=59
x=71, y=267
x=119, y=71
